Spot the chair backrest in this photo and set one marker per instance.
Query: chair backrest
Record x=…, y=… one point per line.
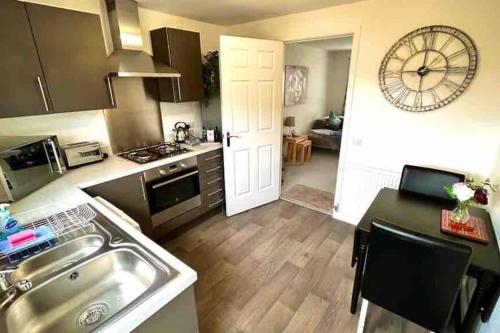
x=427, y=181
x=414, y=276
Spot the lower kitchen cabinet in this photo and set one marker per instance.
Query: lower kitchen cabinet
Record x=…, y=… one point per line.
x=178, y=316
x=130, y=195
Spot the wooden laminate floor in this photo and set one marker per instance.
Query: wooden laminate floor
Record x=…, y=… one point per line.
x=276, y=268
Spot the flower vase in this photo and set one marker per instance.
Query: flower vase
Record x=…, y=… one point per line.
x=460, y=214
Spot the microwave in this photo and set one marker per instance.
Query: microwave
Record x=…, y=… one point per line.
x=27, y=163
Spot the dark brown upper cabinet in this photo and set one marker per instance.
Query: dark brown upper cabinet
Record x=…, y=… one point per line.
x=71, y=48
x=51, y=60
x=181, y=50
x=22, y=85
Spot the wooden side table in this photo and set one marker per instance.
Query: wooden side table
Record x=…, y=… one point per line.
x=291, y=146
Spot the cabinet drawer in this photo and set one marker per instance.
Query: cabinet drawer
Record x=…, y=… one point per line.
x=212, y=157
x=208, y=179
x=212, y=197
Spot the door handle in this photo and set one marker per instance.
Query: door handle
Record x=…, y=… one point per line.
x=229, y=136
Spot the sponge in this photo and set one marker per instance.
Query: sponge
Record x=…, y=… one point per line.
x=21, y=237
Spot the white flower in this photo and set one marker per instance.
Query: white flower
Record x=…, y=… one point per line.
x=462, y=191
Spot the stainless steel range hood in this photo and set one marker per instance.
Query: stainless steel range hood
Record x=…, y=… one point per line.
x=128, y=58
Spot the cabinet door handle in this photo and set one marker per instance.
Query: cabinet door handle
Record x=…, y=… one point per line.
x=212, y=170
x=143, y=189
x=40, y=85
x=213, y=181
x=211, y=158
x=215, y=203
x=215, y=192
x=110, y=88
x=179, y=88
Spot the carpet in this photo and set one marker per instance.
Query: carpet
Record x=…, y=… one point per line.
x=310, y=197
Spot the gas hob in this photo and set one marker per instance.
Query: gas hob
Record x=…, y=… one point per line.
x=154, y=153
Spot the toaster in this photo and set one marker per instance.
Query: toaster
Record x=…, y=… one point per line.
x=81, y=153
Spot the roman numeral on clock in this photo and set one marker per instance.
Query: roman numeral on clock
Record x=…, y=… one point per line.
x=392, y=74
x=394, y=86
x=397, y=58
x=435, y=96
x=450, y=84
x=457, y=70
x=403, y=94
x=417, y=102
x=456, y=55
x=410, y=44
x=429, y=40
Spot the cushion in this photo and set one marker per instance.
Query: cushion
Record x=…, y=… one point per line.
x=334, y=123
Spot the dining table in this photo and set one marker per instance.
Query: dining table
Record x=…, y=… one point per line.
x=422, y=214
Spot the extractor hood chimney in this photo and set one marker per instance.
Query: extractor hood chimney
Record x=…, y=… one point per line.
x=128, y=58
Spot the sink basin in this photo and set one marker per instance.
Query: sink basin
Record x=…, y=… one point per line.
x=85, y=296
x=58, y=258
x=92, y=279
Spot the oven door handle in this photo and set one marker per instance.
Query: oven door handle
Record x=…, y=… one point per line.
x=174, y=180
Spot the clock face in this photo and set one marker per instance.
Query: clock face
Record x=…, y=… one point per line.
x=428, y=68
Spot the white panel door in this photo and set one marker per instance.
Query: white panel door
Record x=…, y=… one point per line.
x=252, y=100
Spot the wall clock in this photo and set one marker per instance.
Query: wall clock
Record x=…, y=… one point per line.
x=428, y=68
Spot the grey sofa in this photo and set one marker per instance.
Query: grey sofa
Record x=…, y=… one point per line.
x=322, y=137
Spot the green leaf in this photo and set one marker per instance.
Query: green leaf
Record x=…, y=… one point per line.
x=449, y=190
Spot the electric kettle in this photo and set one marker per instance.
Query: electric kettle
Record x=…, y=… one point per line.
x=181, y=131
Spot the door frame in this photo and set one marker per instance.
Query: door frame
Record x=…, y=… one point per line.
x=355, y=32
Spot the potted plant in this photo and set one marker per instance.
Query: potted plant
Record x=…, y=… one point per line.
x=466, y=194
x=211, y=82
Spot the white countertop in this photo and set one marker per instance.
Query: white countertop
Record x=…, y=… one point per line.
x=66, y=192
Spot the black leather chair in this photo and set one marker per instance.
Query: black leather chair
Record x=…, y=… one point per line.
x=414, y=276
x=427, y=181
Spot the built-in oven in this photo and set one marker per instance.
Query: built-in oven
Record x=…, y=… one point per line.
x=26, y=164
x=172, y=190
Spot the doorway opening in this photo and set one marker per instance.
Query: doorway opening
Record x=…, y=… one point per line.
x=316, y=81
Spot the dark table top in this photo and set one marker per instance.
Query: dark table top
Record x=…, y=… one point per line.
x=422, y=214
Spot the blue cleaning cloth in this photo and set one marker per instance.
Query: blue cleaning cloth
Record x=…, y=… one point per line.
x=43, y=234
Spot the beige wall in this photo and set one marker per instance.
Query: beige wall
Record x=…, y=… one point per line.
x=315, y=105
x=463, y=135
x=338, y=74
x=91, y=125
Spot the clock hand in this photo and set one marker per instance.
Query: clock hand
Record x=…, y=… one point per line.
x=425, y=57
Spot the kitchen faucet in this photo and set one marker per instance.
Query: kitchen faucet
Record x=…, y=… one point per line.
x=9, y=289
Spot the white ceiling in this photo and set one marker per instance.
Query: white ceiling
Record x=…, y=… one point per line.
x=331, y=44
x=229, y=12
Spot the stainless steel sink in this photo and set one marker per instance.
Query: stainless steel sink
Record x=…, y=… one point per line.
x=58, y=258
x=80, y=299
x=86, y=283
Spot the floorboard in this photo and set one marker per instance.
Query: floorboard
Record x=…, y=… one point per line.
x=277, y=268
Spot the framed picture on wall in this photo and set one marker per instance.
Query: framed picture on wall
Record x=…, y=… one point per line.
x=295, y=84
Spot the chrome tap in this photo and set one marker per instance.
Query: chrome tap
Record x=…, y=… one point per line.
x=10, y=289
